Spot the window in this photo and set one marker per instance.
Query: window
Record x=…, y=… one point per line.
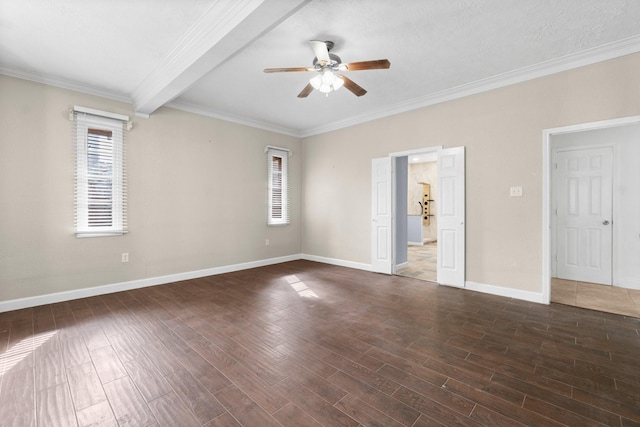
x=278, y=186
x=100, y=173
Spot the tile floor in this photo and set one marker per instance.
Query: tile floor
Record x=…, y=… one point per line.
x=422, y=262
x=253, y=348
x=610, y=299
x=596, y=297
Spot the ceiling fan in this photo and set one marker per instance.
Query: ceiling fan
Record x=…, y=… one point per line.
x=327, y=65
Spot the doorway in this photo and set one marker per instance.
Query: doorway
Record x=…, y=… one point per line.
x=418, y=258
x=582, y=186
x=389, y=213
x=591, y=241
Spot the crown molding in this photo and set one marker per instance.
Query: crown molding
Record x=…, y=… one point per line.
x=595, y=55
x=576, y=60
x=178, y=105
x=64, y=84
x=587, y=57
x=196, y=109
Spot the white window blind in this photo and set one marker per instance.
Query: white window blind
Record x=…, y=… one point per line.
x=278, y=186
x=101, y=181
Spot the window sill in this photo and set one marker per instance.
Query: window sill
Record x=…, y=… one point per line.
x=83, y=234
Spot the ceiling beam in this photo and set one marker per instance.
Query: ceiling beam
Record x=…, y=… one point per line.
x=225, y=29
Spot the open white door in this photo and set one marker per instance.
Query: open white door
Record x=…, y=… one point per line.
x=451, y=217
x=584, y=213
x=381, y=206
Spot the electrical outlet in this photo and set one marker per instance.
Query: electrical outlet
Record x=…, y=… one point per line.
x=515, y=192
x=125, y=256
x=266, y=242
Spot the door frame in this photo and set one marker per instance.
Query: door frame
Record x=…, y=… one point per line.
x=547, y=204
x=394, y=196
x=434, y=149
x=554, y=218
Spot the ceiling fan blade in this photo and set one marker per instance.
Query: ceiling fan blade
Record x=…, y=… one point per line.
x=377, y=64
x=320, y=50
x=306, y=91
x=287, y=70
x=354, y=87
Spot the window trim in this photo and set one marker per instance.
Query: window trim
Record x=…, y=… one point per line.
x=284, y=217
x=85, y=119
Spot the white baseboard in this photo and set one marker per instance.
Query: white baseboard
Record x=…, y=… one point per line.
x=473, y=286
x=401, y=265
x=338, y=262
x=415, y=243
x=505, y=292
x=20, y=303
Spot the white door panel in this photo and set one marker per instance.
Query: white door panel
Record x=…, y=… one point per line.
x=448, y=241
x=381, y=257
x=451, y=217
x=584, y=212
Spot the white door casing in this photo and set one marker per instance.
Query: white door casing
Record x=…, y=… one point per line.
x=451, y=217
x=584, y=185
x=381, y=216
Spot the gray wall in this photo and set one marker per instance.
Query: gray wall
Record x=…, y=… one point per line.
x=502, y=131
x=197, y=195
x=197, y=185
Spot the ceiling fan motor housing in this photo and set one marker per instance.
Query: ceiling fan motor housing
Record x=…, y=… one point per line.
x=335, y=61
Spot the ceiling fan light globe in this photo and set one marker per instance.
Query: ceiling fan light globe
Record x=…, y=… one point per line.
x=326, y=82
x=328, y=77
x=338, y=83
x=316, y=82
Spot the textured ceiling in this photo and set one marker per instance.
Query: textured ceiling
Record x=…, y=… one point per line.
x=207, y=56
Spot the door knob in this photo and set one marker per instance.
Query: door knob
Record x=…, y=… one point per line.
x=605, y=222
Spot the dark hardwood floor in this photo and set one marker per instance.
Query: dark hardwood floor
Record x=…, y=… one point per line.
x=309, y=344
